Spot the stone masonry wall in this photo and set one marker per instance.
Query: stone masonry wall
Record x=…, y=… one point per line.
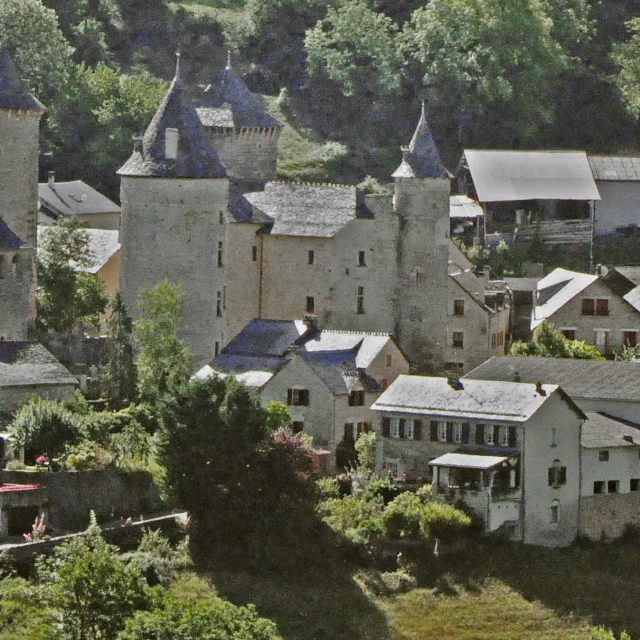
x=17, y=293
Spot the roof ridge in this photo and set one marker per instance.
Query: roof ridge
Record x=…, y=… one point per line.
x=313, y=184
x=349, y=331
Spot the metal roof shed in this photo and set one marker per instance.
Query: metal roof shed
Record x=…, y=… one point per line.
x=503, y=176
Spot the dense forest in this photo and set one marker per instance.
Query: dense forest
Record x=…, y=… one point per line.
x=495, y=74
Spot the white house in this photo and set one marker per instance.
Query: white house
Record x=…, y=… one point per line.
x=511, y=451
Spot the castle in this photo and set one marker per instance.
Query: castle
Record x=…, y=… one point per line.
x=201, y=206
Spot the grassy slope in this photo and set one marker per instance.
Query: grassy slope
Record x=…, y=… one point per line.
x=502, y=592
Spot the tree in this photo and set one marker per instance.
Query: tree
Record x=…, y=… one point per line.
x=68, y=298
x=547, y=342
x=118, y=376
x=45, y=427
x=626, y=56
x=163, y=358
x=277, y=416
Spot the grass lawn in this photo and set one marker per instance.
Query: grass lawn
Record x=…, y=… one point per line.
x=488, y=592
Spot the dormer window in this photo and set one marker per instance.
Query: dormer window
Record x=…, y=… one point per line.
x=171, y=144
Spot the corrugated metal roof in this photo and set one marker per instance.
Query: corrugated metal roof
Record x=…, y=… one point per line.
x=466, y=461
x=600, y=431
x=502, y=176
x=615, y=167
x=587, y=379
x=556, y=289
x=74, y=198
x=494, y=400
x=464, y=207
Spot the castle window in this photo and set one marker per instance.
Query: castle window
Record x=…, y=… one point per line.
x=221, y=217
x=360, y=301
x=220, y=263
x=458, y=307
x=216, y=349
x=311, y=305
x=171, y=143
x=254, y=253
x=219, y=304
x=361, y=259
x=458, y=339
x=557, y=474
x=311, y=257
x=2, y=268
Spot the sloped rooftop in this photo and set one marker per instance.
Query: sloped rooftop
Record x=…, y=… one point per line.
x=74, y=198
x=587, y=379
x=8, y=239
x=600, y=431
x=482, y=399
x=620, y=168
x=304, y=209
x=29, y=363
x=14, y=92
x=556, y=289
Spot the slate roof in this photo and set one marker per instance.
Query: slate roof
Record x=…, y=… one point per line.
x=422, y=159
x=8, y=239
x=555, y=290
x=14, y=92
x=74, y=198
x=472, y=285
x=332, y=367
x=586, y=379
x=482, y=399
x=29, y=363
x=615, y=167
x=227, y=102
x=522, y=284
x=103, y=245
x=601, y=431
x=196, y=157
x=630, y=273
x=241, y=209
x=500, y=176
x=303, y=209
x=633, y=298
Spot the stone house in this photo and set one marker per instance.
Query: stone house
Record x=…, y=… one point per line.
x=79, y=200
x=608, y=387
x=610, y=491
x=477, y=321
x=510, y=451
x=372, y=263
x=585, y=307
x=328, y=379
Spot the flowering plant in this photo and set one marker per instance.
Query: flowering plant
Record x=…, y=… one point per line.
x=41, y=461
x=38, y=531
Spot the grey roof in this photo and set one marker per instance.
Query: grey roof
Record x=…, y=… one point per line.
x=531, y=175
x=586, y=379
x=8, y=239
x=467, y=461
x=615, y=167
x=196, y=157
x=602, y=431
x=270, y=338
x=473, y=285
x=464, y=207
x=103, y=245
x=241, y=209
x=630, y=273
x=74, y=198
x=303, y=209
x=14, y=92
x=481, y=399
x=522, y=284
x=331, y=367
x=633, y=298
x=422, y=160
x=227, y=102
x=29, y=363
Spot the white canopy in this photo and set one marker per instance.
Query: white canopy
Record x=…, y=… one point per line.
x=467, y=461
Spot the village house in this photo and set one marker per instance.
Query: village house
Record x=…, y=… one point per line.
x=608, y=387
x=328, y=379
x=510, y=451
x=76, y=199
x=583, y=306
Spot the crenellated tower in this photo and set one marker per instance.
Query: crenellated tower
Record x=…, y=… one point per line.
x=240, y=129
x=421, y=200
x=20, y=114
x=174, y=194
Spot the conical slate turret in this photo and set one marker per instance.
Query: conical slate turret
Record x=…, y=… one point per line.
x=14, y=92
x=421, y=159
x=195, y=157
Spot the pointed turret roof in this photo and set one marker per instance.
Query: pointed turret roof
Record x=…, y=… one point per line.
x=196, y=157
x=14, y=92
x=227, y=102
x=421, y=158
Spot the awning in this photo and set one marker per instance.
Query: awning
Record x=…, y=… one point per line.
x=464, y=207
x=467, y=461
x=500, y=176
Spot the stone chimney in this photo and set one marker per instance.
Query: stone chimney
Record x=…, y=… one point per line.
x=137, y=143
x=51, y=178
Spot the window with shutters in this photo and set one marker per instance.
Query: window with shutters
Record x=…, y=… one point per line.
x=434, y=431
x=479, y=434
x=363, y=427
x=629, y=338
x=298, y=397
x=457, y=433
x=595, y=307
x=395, y=428
x=507, y=436
x=356, y=399
x=557, y=474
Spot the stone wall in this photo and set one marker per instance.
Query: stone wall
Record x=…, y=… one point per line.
x=605, y=517
x=17, y=293
x=111, y=493
x=12, y=397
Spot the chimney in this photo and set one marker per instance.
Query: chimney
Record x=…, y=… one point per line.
x=51, y=178
x=405, y=154
x=454, y=382
x=539, y=389
x=311, y=322
x=137, y=143
x=486, y=273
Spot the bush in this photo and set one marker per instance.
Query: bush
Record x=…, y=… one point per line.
x=380, y=487
x=365, y=447
x=357, y=519
x=403, y=515
x=399, y=581
x=443, y=522
x=86, y=456
x=328, y=488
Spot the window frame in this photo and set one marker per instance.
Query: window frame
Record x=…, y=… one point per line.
x=457, y=339
x=458, y=307
x=362, y=262
x=298, y=397
x=310, y=304
x=311, y=256
x=356, y=398
x=360, y=301
x=603, y=456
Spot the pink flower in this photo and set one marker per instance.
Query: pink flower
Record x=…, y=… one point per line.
x=41, y=460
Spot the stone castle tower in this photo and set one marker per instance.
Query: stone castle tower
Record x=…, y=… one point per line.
x=421, y=199
x=20, y=114
x=243, y=133
x=174, y=194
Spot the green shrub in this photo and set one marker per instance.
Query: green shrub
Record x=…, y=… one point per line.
x=328, y=488
x=357, y=519
x=380, y=487
x=402, y=516
x=399, y=581
x=443, y=522
x=365, y=447
x=86, y=456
